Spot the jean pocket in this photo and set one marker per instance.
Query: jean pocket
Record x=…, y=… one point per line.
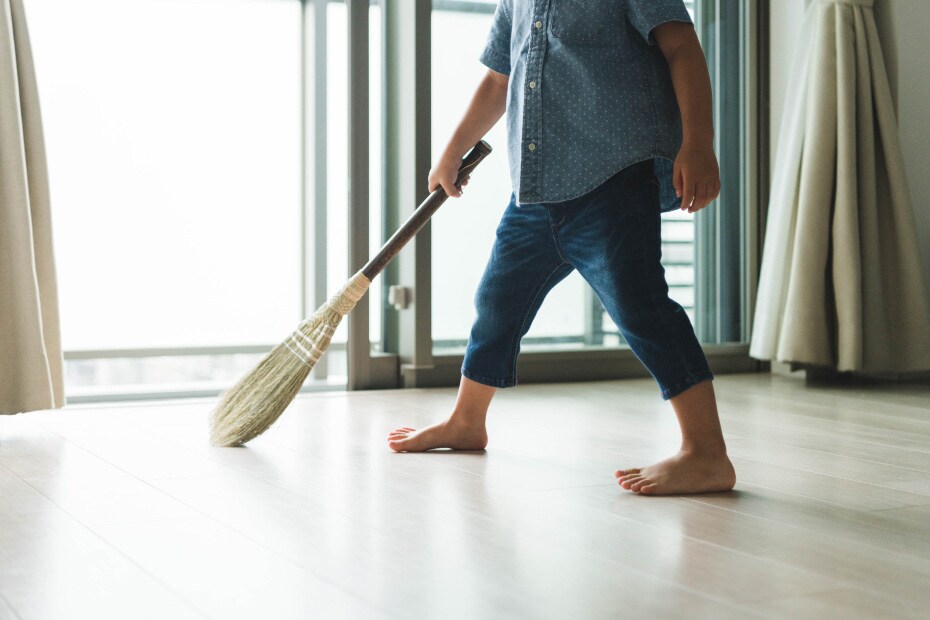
x=663, y=177
x=587, y=22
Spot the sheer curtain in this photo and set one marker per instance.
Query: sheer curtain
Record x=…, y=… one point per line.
x=31, y=375
x=841, y=284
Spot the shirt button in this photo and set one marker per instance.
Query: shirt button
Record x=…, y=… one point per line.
x=531, y=146
x=532, y=83
x=538, y=25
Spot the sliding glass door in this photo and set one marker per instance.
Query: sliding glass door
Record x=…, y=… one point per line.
x=198, y=155
x=572, y=316
x=174, y=160
x=707, y=256
x=219, y=168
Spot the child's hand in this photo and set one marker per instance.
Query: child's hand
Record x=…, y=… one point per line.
x=444, y=174
x=696, y=177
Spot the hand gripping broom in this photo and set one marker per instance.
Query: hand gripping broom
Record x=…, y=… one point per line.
x=252, y=405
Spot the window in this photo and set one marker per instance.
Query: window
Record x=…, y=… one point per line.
x=572, y=316
x=185, y=224
x=202, y=189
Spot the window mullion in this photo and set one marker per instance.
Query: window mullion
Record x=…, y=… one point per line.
x=314, y=246
x=359, y=345
x=407, y=38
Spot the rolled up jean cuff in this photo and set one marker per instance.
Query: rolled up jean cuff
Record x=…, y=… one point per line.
x=497, y=383
x=688, y=382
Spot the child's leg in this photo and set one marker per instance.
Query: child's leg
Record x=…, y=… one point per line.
x=525, y=264
x=464, y=430
x=701, y=465
x=615, y=243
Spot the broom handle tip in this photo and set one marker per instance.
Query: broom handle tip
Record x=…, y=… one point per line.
x=423, y=213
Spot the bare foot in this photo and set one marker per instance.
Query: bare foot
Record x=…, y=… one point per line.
x=443, y=435
x=684, y=473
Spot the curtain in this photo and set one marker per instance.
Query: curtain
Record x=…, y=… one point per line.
x=841, y=285
x=31, y=375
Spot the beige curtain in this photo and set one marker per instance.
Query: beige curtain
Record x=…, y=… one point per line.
x=841, y=284
x=30, y=341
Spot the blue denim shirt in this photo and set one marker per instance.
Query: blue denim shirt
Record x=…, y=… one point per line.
x=589, y=93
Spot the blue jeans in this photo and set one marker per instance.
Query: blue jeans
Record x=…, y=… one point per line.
x=612, y=236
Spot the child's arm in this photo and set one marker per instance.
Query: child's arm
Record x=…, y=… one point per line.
x=486, y=108
x=697, y=177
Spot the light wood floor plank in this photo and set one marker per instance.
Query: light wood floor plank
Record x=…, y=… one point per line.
x=834, y=554
x=226, y=575
x=318, y=518
x=51, y=566
x=845, y=603
x=455, y=581
x=6, y=612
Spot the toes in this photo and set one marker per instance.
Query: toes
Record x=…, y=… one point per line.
x=626, y=472
x=648, y=489
x=398, y=438
x=639, y=484
x=399, y=444
x=626, y=483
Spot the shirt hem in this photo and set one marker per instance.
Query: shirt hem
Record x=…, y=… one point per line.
x=594, y=185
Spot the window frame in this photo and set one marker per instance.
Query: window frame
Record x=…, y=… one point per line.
x=405, y=357
x=420, y=366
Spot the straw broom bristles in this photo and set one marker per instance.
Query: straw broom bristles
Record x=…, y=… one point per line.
x=251, y=406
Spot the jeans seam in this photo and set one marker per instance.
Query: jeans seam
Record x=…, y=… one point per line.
x=519, y=333
x=652, y=297
x=554, y=227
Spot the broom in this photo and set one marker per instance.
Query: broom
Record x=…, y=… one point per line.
x=251, y=406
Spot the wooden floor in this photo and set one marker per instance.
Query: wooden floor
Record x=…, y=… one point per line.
x=126, y=512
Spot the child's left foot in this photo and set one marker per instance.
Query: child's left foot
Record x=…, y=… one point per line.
x=684, y=473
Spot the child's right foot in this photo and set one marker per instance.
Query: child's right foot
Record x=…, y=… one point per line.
x=443, y=435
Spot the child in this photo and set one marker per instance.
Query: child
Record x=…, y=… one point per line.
x=600, y=95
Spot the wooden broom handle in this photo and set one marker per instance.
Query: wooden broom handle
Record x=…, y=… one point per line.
x=425, y=211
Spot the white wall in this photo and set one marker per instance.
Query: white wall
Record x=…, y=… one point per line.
x=902, y=26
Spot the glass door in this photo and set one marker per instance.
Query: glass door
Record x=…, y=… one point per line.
x=706, y=255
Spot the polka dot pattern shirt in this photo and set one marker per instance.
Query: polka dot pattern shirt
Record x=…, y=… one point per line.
x=589, y=93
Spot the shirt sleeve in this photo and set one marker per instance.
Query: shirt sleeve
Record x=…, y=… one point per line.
x=496, y=54
x=646, y=15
